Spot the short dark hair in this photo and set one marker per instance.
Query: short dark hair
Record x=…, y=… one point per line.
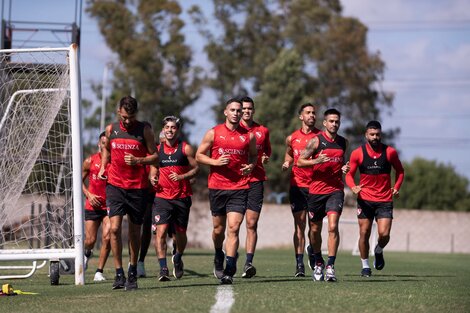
x=233, y=100
x=129, y=104
x=247, y=99
x=103, y=134
x=303, y=106
x=331, y=112
x=374, y=125
x=171, y=118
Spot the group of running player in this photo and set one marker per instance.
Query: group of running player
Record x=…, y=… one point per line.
x=129, y=163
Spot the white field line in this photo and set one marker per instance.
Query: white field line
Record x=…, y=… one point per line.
x=224, y=300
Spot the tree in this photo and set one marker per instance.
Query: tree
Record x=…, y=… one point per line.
x=337, y=68
x=154, y=62
x=274, y=107
x=430, y=185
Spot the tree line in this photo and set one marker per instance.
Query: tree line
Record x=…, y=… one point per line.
x=281, y=53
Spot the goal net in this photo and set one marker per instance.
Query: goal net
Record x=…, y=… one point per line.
x=40, y=156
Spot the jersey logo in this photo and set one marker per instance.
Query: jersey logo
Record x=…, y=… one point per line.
x=157, y=218
x=97, y=165
x=113, y=145
x=221, y=151
x=258, y=134
x=242, y=138
x=116, y=132
x=324, y=143
x=222, y=137
x=359, y=211
x=297, y=140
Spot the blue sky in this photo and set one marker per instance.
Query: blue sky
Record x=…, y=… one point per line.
x=424, y=43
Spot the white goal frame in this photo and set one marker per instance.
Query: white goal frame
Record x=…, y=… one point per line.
x=76, y=252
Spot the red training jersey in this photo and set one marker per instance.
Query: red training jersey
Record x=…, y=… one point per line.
x=375, y=168
x=263, y=146
x=236, y=143
x=328, y=176
x=96, y=185
x=132, y=141
x=301, y=176
x=172, y=159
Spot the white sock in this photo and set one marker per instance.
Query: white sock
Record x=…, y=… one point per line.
x=365, y=263
x=378, y=249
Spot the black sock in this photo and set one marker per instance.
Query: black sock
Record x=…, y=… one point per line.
x=299, y=258
x=331, y=260
x=178, y=257
x=133, y=269
x=120, y=271
x=162, y=263
x=319, y=258
x=219, y=253
x=249, y=257
x=88, y=253
x=99, y=270
x=231, y=265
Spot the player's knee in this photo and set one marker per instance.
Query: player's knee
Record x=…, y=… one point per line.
x=364, y=233
x=234, y=228
x=115, y=230
x=90, y=241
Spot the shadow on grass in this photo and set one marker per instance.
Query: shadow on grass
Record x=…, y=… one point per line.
x=401, y=275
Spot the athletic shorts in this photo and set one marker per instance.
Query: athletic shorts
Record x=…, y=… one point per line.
x=225, y=201
x=371, y=209
x=254, y=200
x=298, y=198
x=95, y=215
x=126, y=201
x=150, y=196
x=171, y=211
x=320, y=206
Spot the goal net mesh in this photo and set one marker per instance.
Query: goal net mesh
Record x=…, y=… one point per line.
x=35, y=151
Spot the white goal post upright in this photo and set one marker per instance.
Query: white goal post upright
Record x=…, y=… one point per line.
x=40, y=121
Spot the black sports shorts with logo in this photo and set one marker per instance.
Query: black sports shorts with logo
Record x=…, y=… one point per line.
x=225, y=201
x=371, y=209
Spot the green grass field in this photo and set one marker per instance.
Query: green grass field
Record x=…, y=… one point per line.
x=410, y=282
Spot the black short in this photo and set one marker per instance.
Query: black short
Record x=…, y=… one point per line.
x=371, y=209
x=95, y=215
x=150, y=196
x=321, y=205
x=224, y=201
x=171, y=211
x=126, y=201
x=298, y=198
x=254, y=201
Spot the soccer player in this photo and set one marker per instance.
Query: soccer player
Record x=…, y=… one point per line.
x=130, y=146
x=258, y=176
x=300, y=181
x=325, y=153
x=374, y=192
x=172, y=203
x=95, y=209
x=230, y=150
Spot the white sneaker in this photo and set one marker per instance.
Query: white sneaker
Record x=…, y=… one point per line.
x=141, y=269
x=330, y=274
x=99, y=277
x=317, y=274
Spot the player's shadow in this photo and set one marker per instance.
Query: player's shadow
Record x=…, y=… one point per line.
x=399, y=276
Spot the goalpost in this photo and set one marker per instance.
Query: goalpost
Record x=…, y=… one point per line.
x=41, y=213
